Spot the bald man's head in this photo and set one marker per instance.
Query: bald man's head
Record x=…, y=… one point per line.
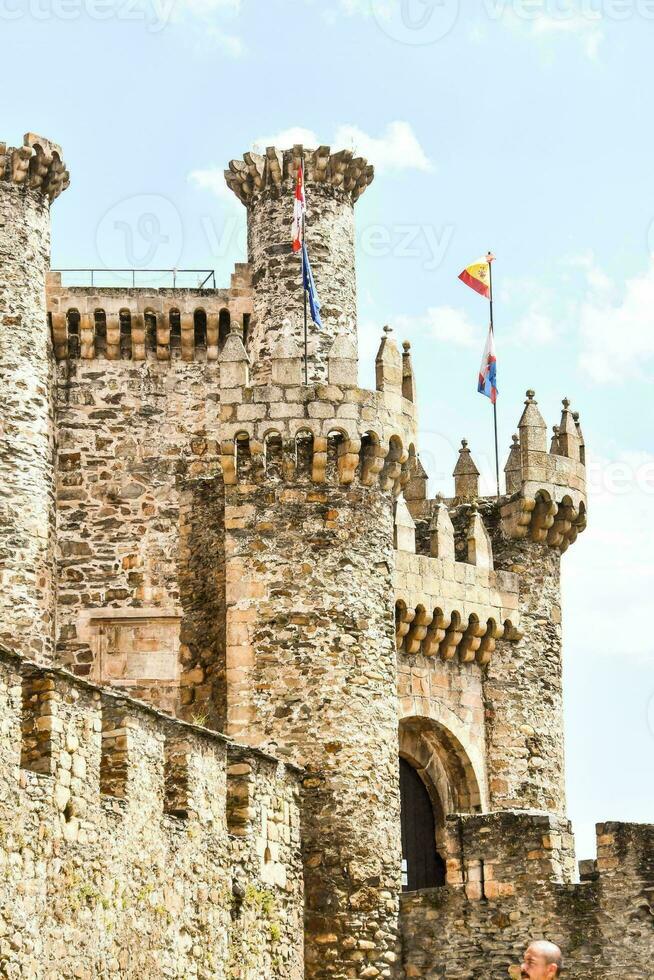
x=543, y=961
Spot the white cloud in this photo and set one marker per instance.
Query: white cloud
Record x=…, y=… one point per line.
x=203, y=17
x=536, y=327
x=286, y=138
x=444, y=323
x=616, y=327
x=212, y=179
x=547, y=21
x=397, y=149
x=581, y=26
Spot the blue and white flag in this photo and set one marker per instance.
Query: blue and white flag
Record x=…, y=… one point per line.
x=310, y=286
x=487, y=380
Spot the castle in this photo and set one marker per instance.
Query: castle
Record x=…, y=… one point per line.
x=266, y=709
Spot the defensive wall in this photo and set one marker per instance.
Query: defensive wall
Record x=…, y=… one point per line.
x=134, y=845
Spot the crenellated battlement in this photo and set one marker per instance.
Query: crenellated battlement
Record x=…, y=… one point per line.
x=514, y=874
x=55, y=722
x=36, y=165
x=140, y=324
x=548, y=484
x=108, y=809
x=545, y=498
x=274, y=173
x=200, y=507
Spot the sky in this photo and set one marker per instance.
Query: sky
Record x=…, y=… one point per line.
x=520, y=127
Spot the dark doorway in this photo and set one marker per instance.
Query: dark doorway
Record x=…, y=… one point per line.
x=422, y=865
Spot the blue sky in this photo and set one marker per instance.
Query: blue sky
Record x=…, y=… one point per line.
x=520, y=127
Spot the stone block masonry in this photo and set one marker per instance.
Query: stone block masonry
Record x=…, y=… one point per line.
x=334, y=182
x=132, y=845
x=509, y=881
x=31, y=176
x=184, y=519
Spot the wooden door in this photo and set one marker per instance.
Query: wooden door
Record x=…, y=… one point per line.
x=422, y=865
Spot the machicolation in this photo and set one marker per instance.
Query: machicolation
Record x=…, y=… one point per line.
x=267, y=709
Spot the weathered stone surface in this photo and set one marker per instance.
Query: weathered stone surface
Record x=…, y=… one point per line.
x=216, y=536
x=128, y=865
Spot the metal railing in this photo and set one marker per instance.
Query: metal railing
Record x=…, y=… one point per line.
x=204, y=275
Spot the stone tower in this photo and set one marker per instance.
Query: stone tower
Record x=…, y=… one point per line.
x=334, y=182
x=258, y=556
x=31, y=177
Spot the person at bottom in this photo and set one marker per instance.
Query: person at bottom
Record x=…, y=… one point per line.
x=542, y=961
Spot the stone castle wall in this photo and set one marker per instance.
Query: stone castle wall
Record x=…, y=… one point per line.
x=234, y=546
x=135, y=563
x=132, y=845
x=510, y=881
x=27, y=514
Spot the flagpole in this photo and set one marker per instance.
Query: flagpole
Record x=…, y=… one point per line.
x=489, y=258
x=304, y=281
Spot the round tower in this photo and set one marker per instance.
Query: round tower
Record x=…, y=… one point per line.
x=333, y=184
x=523, y=684
x=311, y=670
x=31, y=177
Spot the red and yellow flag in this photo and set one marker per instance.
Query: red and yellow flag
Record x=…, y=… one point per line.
x=477, y=276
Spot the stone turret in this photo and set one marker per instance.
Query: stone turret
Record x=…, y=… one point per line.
x=265, y=185
x=31, y=177
x=466, y=475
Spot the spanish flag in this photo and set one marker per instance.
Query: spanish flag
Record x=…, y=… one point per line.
x=477, y=276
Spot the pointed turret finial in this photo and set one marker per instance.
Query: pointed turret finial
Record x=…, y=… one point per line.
x=513, y=466
x=568, y=441
x=441, y=532
x=582, y=444
x=533, y=431
x=408, y=379
x=416, y=489
x=234, y=363
x=554, y=445
x=480, y=550
x=388, y=364
x=466, y=475
x=405, y=529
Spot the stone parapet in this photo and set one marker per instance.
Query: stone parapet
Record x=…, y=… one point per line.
x=147, y=323
x=37, y=165
x=548, y=486
x=509, y=881
x=273, y=173
x=108, y=808
x=447, y=608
